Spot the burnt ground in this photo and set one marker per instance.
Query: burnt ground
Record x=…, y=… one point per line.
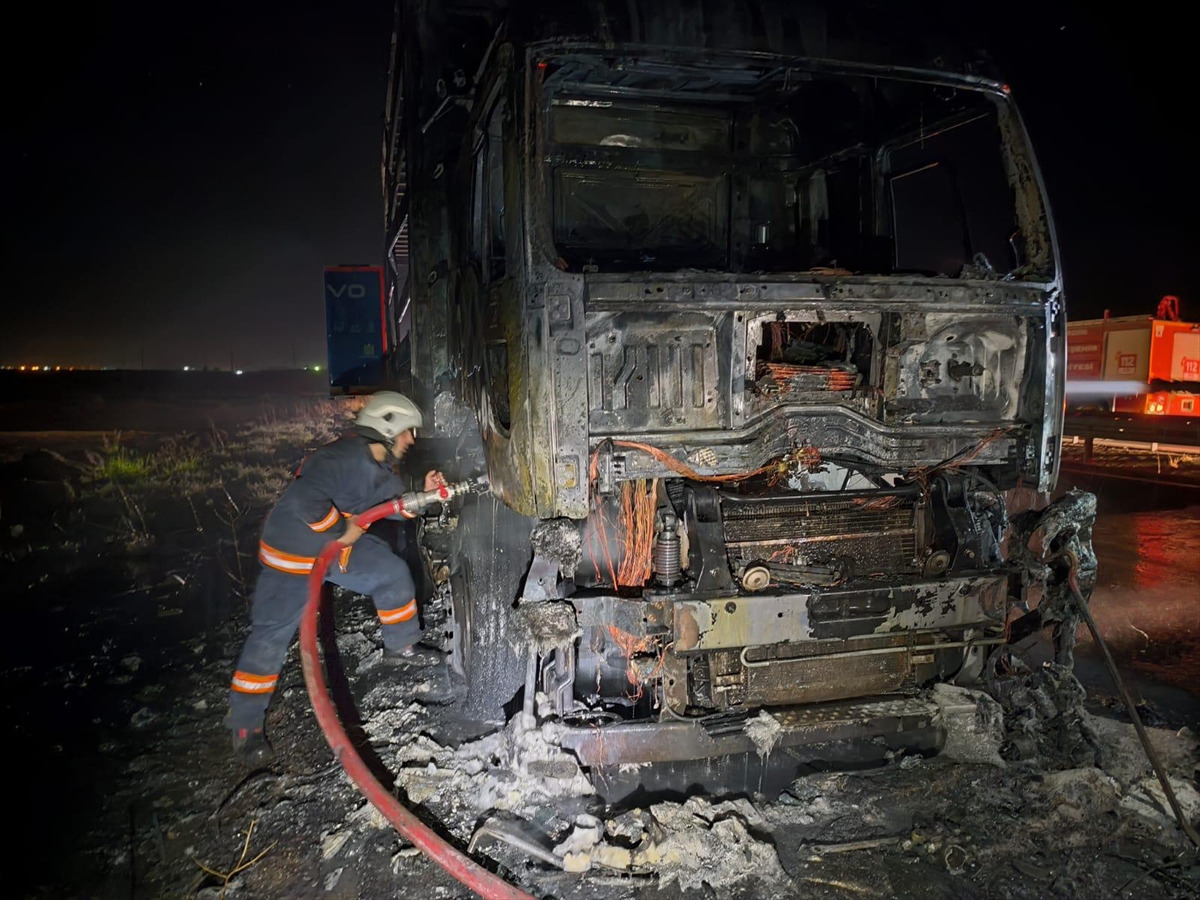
x=126, y=564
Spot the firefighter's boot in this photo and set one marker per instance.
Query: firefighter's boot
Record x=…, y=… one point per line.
x=416, y=655
x=250, y=746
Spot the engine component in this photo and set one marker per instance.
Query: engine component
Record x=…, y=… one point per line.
x=755, y=578
x=667, y=565
x=880, y=530
x=828, y=576
x=708, y=564
x=937, y=563
x=966, y=532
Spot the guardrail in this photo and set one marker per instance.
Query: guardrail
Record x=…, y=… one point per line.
x=1134, y=428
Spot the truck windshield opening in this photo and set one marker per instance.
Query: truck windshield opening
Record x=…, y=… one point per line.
x=775, y=171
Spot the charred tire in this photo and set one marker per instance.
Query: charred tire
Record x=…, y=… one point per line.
x=492, y=557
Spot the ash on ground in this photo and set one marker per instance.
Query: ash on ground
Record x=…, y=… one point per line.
x=125, y=730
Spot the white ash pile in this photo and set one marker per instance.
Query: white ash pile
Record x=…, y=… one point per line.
x=516, y=769
x=695, y=843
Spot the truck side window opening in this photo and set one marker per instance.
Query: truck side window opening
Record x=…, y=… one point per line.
x=478, y=194
x=487, y=199
x=930, y=233
x=951, y=200
x=488, y=250
x=495, y=192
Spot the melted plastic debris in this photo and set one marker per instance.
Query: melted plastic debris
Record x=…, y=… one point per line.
x=1078, y=794
x=514, y=770
x=765, y=730
x=1147, y=800
x=545, y=625
x=974, y=724
x=586, y=834
x=559, y=540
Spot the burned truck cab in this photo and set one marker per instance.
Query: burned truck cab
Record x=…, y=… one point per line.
x=760, y=349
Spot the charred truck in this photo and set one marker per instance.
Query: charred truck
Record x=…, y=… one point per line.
x=755, y=327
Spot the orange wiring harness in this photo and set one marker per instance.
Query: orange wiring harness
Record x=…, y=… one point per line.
x=639, y=503
x=687, y=471
x=921, y=474
x=784, y=376
x=637, y=526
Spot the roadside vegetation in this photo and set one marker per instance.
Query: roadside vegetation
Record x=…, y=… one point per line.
x=117, y=462
x=136, y=550
x=205, y=491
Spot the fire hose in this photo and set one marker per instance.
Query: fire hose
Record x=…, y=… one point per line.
x=484, y=883
x=1127, y=698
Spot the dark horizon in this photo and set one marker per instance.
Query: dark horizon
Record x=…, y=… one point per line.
x=212, y=176
x=176, y=199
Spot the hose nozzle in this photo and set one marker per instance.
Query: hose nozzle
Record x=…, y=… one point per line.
x=418, y=501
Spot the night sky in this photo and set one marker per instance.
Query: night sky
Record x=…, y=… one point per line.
x=177, y=184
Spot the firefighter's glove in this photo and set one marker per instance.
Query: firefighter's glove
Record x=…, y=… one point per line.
x=353, y=533
x=436, y=481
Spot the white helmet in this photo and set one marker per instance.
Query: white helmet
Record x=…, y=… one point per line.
x=386, y=415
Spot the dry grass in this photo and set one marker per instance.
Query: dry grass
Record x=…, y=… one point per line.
x=260, y=455
x=224, y=482
x=240, y=866
x=302, y=425
x=118, y=463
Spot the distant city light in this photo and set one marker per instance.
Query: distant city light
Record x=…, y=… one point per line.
x=316, y=368
x=187, y=368
x=238, y=372
x=22, y=368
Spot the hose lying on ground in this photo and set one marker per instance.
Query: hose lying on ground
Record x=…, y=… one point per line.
x=1127, y=699
x=480, y=880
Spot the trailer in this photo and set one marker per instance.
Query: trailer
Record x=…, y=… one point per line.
x=356, y=328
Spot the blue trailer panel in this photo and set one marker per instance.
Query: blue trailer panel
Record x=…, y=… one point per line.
x=355, y=326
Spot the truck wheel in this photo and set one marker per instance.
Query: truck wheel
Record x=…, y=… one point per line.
x=492, y=559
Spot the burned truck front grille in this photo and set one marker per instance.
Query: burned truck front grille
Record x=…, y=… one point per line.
x=860, y=534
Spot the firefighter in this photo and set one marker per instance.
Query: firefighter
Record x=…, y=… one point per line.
x=341, y=479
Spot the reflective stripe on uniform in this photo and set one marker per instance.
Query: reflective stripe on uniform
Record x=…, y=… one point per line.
x=351, y=516
x=285, y=562
x=326, y=523
x=403, y=614
x=247, y=683
x=344, y=558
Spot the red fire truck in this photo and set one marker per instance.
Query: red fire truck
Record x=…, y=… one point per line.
x=1151, y=362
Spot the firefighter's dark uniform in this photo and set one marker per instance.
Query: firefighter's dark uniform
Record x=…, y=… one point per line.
x=338, y=480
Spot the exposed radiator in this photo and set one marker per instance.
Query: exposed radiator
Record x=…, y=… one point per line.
x=862, y=533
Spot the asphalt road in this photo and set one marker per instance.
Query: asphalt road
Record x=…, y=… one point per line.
x=1147, y=595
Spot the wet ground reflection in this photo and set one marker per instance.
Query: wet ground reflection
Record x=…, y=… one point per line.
x=1147, y=596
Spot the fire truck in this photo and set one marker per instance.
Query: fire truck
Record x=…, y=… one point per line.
x=1151, y=362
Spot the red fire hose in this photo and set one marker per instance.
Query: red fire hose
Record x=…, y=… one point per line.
x=480, y=880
